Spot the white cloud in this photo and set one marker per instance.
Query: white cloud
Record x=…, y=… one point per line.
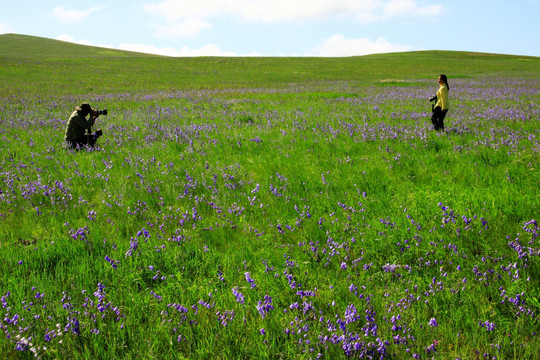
x=187, y=18
x=65, y=37
x=288, y=10
x=69, y=16
x=184, y=29
x=409, y=8
x=335, y=46
x=206, y=50
x=338, y=45
x=6, y=29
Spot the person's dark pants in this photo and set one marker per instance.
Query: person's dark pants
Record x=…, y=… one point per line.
x=437, y=118
x=85, y=140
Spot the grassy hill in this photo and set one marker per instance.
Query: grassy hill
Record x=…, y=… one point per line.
x=30, y=46
x=29, y=64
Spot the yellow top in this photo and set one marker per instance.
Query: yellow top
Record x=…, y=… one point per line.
x=442, y=98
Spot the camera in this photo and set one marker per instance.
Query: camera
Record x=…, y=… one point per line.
x=101, y=112
x=433, y=98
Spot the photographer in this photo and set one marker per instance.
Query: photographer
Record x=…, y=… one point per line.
x=441, y=106
x=79, y=129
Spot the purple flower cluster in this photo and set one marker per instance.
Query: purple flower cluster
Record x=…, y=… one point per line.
x=264, y=307
x=250, y=280
x=239, y=297
x=489, y=326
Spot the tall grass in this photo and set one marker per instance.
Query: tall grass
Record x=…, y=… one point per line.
x=282, y=218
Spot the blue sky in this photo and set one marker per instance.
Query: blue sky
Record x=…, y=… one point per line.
x=282, y=27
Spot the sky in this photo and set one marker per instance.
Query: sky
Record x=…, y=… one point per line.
x=282, y=27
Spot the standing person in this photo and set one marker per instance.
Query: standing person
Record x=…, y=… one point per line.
x=442, y=105
x=76, y=134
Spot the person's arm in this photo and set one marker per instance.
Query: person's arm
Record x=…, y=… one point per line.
x=82, y=122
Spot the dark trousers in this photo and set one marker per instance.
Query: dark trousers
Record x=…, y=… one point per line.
x=437, y=118
x=86, y=139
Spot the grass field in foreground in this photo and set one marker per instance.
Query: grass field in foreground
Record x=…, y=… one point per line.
x=257, y=213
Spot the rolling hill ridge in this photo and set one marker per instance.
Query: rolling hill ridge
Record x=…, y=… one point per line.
x=60, y=67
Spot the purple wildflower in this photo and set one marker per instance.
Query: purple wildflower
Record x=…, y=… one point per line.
x=238, y=295
x=250, y=280
x=489, y=326
x=265, y=307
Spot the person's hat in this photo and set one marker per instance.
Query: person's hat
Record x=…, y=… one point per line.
x=85, y=107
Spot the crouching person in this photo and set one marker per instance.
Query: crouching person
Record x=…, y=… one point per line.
x=79, y=128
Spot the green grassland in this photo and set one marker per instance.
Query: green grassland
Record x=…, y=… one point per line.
x=41, y=66
x=287, y=208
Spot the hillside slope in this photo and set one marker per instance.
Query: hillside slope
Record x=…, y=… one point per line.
x=25, y=45
x=55, y=68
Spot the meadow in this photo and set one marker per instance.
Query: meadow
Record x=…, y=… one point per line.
x=284, y=208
